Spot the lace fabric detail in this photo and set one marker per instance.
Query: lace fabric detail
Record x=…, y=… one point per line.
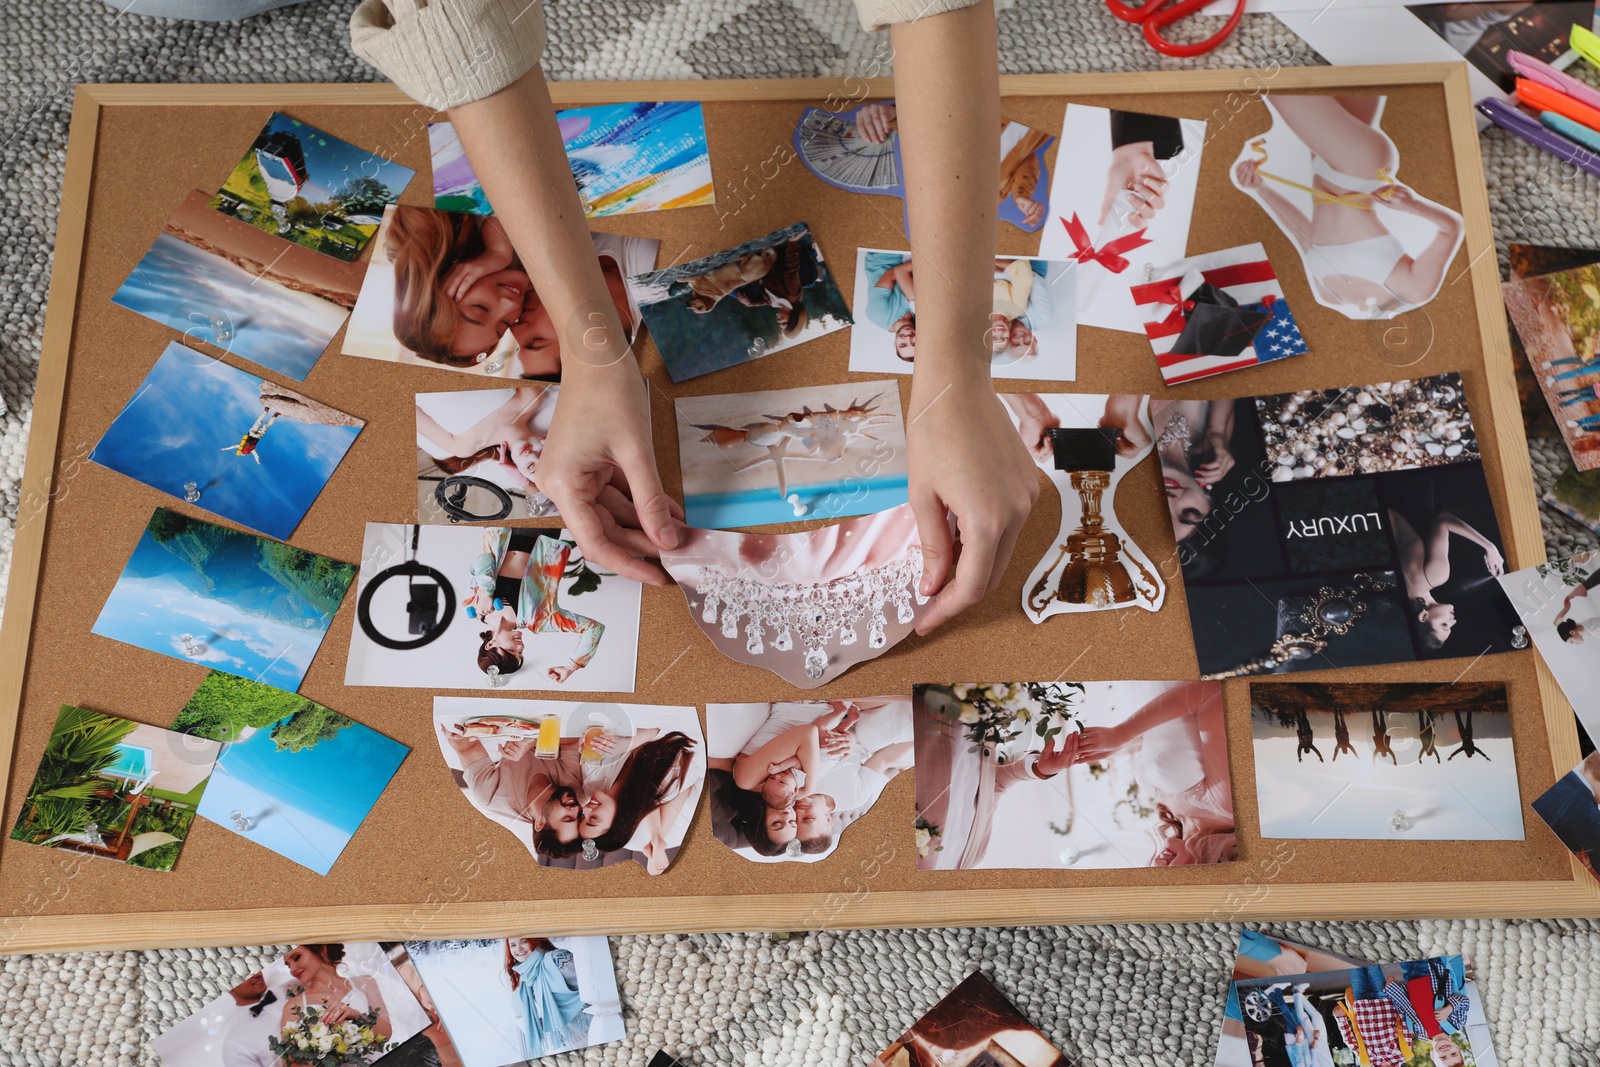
x=817, y=613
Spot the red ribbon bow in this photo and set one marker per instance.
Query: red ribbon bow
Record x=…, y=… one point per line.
x=1109, y=257
x=1173, y=295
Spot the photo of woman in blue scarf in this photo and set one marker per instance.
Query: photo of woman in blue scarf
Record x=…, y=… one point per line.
x=545, y=980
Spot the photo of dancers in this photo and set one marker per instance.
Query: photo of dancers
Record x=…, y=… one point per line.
x=1032, y=327
x=1385, y=761
x=1084, y=775
x=1393, y=1013
x=788, y=778
x=580, y=785
x=763, y=296
x=1560, y=607
x=460, y=607
x=1334, y=527
x=974, y=1026
x=1557, y=317
x=448, y=290
x=478, y=451
x=1327, y=175
x=507, y=1000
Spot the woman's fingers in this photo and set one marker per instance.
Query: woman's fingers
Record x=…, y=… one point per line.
x=657, y=512
x=970, y=581
x=621, y=508
x=587, y=523
x=938, y=546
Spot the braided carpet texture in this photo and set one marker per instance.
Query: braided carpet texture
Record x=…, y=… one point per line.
x=1148, y=995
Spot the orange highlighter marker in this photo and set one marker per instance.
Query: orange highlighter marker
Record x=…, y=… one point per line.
x=1543, y=98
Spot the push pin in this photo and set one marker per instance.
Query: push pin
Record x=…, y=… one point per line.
x=222, y=330
x=191, y=647
x=1399, y=822
x=241, y=821
x=758, y=348
x=496, y=679
x=591, y=851
x=1070, y=856
x=793, y=500
x=793, y=849
x=1519, y=637
x=191, y=492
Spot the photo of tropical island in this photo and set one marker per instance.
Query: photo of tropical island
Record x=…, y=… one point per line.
x=115, y=789
x=224, y=598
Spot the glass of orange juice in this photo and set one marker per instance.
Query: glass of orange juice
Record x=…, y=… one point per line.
x=549, y=743
x=591, y=753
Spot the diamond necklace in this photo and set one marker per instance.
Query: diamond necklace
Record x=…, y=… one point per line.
x=815, y=611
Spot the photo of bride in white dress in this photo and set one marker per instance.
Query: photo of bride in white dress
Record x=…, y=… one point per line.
x=786, y=779
x=1072, y=775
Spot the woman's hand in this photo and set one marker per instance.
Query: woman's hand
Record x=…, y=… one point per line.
x=1209, y=474
x=875, y=122
x=835, y=743
x=1248, y=173
x=1096, y=744
x=967, y=463
x=1032, y=210
x=1060, y=752
x=467, y=273
x=1493, y=560
x=605, y=743
x=599, y=467
x=337, y=1012
x=1034, y=419
x=1136, y=171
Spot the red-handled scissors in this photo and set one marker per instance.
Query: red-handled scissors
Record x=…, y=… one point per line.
x=1154, y=15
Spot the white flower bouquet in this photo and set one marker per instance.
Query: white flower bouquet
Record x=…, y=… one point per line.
x=999, y=713
x=310, y=1042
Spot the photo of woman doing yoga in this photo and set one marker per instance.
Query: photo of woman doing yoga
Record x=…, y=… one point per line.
x=1372, y=247
x=787, y=778
x=478, y=451
x=448, y=290
x=581, y=785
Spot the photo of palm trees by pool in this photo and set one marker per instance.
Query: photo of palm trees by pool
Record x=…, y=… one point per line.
x=294, y=776
x=311, y=188
x=115, y=789
x=1385, y=761
x=230, y=600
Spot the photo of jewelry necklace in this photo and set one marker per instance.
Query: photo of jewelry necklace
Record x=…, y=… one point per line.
x=806, y=606
x=1085, y=444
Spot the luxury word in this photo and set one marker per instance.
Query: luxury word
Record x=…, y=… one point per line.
x=1334, y=524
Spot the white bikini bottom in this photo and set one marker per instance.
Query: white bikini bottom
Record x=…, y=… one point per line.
x=1373, y=259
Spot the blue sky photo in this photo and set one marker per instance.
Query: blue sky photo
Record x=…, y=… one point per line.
x=214, y=584
x=304, y=805
x=190, y=407
x=190, y=289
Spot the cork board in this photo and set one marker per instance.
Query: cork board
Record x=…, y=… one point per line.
x=425, y=863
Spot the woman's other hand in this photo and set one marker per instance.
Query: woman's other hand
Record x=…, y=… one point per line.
x=1493, y=560
x=1136, y=171
x=1248, y=173
x=1096, y=744
x=875, y=122
x=1060, y=752
x=1213, y=471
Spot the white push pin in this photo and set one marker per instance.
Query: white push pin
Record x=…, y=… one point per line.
x=1519, y=637
x=191, y=492
x=793, y=500
x=191, y=647
x=496, y=679
x=1399, y=822
x=1070, y=855
x=793, y=849
x=241, y=821
x=591, y=851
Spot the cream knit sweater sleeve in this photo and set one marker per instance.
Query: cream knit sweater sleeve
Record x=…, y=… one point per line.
x=445, y=53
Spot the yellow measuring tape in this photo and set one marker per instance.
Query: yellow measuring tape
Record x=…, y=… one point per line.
x=1359, y=201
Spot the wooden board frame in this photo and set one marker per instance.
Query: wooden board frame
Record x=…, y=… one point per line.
x=32, y=928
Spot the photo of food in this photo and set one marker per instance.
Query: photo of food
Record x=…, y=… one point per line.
x=974, y=1026
x=625, y=158
x=1218, y=312
x=96, y=790
x=478, y=451
x=1123, y=207
x=766, y=295
x=1385, y=761
x=507, y=1000
x=1365, y=1014
x=821, y=452
x=1557, y=317
x=1334, y=527
x=309, y=187
x=245, y=291
x=580, y=785
x=168, y=435
x=447, y=607
x=1571, y=808
x=293, y=776
x=1324, y=166
x=1558, y=605
x=796, y=603
x=447, y=290
x=1072, y=775
x=1085, y=444
x=1033, y=328
x=787, y=779
x=223, y=598
x=346, y=996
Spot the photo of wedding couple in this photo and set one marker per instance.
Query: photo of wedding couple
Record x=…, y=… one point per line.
x=448, y=290
x=478, y=451
x=1424, y=748
x=1558, y=604
x=346, y=1002
x=580, y=785
x=973, y=1026
x=1085, y=775
x=1123, y=207
x=1423, y=1012
x=461, y=607
x=798, y=603
x=1033, y=326
x=787, y=779
x=740, y=304
x=512, y=999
